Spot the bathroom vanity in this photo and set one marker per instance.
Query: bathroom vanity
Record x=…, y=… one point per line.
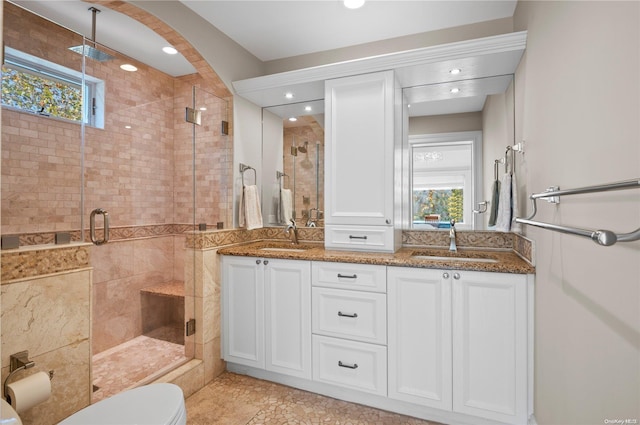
x=444, y=337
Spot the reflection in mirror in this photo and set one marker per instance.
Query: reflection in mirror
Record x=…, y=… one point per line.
x=293, y=161
x=443, y=183
x=442, y=118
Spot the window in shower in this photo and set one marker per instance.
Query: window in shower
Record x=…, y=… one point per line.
x=34, y=85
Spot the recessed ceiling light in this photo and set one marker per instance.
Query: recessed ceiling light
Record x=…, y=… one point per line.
x=128, y=67
x=307, y=108
x=455, y=71
x=293, y=119
x=288, y=95
x=127, y=127
x=353, y=4
x=455, y=90
x=169, y=50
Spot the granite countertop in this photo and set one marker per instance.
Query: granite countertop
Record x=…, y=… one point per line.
x=487, y=260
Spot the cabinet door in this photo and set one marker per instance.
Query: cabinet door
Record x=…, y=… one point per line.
x=359, y=150
x=243, y=311
x=288, y=317
x=490, y=345
x=419, y=309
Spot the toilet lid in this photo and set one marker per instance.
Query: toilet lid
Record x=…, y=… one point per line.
x=155, y=404
x=8, y=416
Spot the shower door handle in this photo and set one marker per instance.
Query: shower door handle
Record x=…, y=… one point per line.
x=92, y=226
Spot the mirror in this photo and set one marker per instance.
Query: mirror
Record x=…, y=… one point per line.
x=455, y=132
x=293, y=164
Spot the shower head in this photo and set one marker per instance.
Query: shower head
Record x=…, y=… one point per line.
x=303, y=149
x=92, y=52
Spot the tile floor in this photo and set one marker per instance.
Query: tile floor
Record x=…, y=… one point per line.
x=123, y=367
x=233, y=399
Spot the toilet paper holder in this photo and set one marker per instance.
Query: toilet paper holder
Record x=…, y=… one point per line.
x=17, y=362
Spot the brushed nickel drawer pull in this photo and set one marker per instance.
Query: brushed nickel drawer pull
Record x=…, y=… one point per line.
x=348, y=366
x=341, y=314
x=357, y=237
x=347, y=276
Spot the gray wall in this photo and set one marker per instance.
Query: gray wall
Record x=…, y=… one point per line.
x=578, y=108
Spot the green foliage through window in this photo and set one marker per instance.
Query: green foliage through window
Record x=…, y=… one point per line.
x=41, y=95
x=447, y=203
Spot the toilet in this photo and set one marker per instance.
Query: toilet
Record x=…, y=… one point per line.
x=154, y=404
x=8, y=415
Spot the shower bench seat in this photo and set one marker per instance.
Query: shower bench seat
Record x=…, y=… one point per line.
x=174, y=289
x=163, y=311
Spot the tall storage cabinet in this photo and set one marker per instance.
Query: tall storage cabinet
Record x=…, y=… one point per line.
x=362, y=130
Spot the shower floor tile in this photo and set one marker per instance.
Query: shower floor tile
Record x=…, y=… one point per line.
x=132, y=363
x=233, y=399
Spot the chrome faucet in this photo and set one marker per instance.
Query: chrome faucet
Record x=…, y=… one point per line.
x=311, y=222
x=292, y=232
x=452, y=236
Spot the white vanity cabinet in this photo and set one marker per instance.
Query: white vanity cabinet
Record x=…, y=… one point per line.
x=460, y=341
x=266, y=314
x=360, y=136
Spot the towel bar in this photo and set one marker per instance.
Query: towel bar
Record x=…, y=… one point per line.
x=601, y=237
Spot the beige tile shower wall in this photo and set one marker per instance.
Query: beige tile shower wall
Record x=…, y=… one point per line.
x=305, y=165
x=121, y=269
x=40, y=156
x=212, y=163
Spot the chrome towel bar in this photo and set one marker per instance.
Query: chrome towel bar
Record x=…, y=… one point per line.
x=601, y=237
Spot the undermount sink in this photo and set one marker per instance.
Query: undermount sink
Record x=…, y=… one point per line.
x=283, y=249
x=463, y=259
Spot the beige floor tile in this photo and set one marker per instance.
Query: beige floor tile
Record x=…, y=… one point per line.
x=233, y=399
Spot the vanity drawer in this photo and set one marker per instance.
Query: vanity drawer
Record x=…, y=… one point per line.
x=349, y=314
x=350, y=364
x=359, y=238
x=363, y=277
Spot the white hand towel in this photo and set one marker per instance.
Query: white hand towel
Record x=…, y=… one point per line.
x=503, y=222
x=250, y=213
x=287, y=205
x=515, y=209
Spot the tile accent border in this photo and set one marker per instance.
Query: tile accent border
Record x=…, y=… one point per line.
x=217, y=238
x=469, y=239
x=524, y=247
x=32, y=262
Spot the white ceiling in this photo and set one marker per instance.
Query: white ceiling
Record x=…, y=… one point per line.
x=279, y=29
x=274, y=29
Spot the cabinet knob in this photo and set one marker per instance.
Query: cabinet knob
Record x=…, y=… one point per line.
x=258, y=261
x=456, y=276
x=387, y=221
x=266, y=262
x=445, y=275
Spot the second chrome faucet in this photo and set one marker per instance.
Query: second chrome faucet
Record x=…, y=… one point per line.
x=452, y=236
x=292, y=232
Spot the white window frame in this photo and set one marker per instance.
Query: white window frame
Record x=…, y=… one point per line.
x=93, y=89
x=474, y=221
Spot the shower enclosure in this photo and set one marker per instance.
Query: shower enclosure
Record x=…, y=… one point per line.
x=128, y=154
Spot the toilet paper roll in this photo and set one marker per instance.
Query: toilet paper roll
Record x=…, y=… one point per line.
x=26, y=393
